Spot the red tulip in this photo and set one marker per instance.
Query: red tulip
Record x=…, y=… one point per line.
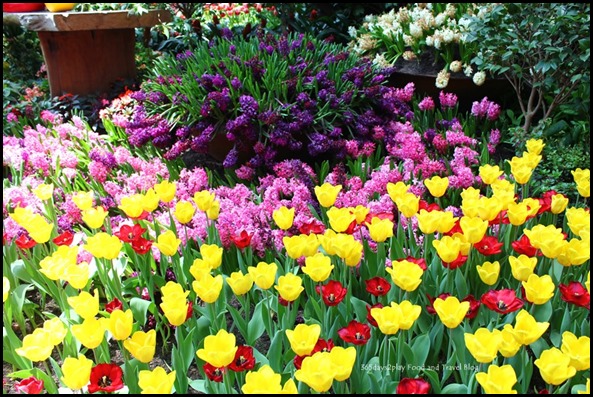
x=30, y=385
x=576, y=294
x=377, y=286
x=424, y=205
x=474, y=306
x=106, y=378
x=312, y=227
x=115, y=304
x=65, y=238
x=332, y=293
x=413, y=386
x=355, y=333
x=370, y=318
x=141, y=245
x=244, y=359
x=213, y=373
x=241, y=240
x=458, y=262
x=502, y=301
x=489, y=245
x=25, y=242
x=128, y=234
x=322, y=345
x=523, y=247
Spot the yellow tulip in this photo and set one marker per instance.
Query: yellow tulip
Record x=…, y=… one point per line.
x=489, y=173
x=77, y=275
x=174, y=303
x=94, y=217
x=214, y=211
x=289, y=387
x=581, y=174
x=36, y=346
x=5, y=288
x=483, y=344
x=405, y=274
x=204, y=199
x=559, y=203
x=301, y=245
x=473, y=228
x=56, y=330
x=142, y=345
x=240, y=283
x=184, y=211
x=396, y=190
x=317, y=372
x=448, y=248
x=575, y=252
x=428, y=221
x=578, y=349
x=327, y=194
x=340, y=218
x=380, y=229
x=39, y=229
x=199, y=268
x=283, y=217
x=489, y=208
x=262, y=381
x=584, y=188
x=554, y=366
x=303, y=338
x=157, y=381
x=326, y=240
x=318, y=267
x=498, y=380
x=360, y=213
x=517, y=213
x=165, y=190
x=437, y=186
x=132, y=205
x=342, y=360
x=388, y=318
x=508, y=344
x=120, y=324
x=219, y=350
x=408, y=204
x=289, y=286
x=264, y=274
x=450, y=311
x=212, y=255
x=208, y=287
x=150, y=200
x=102, y=245
x=578, y=220
x=489, y=272
x=76, y=372
x=522, y=266
x=409, y=314
x=168, y=243
x=539, y=290
x=83, y=200
x=85, y=304
x=44, y=191
x=527, y=330
x=535, y=146
x=90, y=333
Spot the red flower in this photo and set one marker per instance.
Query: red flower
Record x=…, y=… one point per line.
x=65, y=238
x=322, y=345
x=312, y=226
x=576, y=294
x=378, y=286
x=141, y=245
x=213, y=373
x=502, y=301
x=244, y=359
x=25, y=242
x=242, y=240
x=523, y=247
x=30, y=385
x=419, y=261
x=380, y=215
x=106, y=378
x=458, y=262
x=413, y=386
x=115, y=304
x=370, y=318
x=423, y=205
x=474, y=305
x=190, y=310
x=455, y=229
x=488, y=245
x=430, y=308
x=128, y=233
x=355, y=333
x=545, y=202
x=332, y=293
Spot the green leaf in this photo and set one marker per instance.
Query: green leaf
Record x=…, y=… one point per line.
x=139, y=309
x=455, y=388
x=274, y=353
x=199, y=385
x=256, y=327
x=542, y=313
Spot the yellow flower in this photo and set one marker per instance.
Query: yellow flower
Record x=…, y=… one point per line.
x=340, y=218
x=522, y=266
x=44, y=191
x=212, y=255
x=535, y=146
x=405, y=274
x=578, y=220
x=208, y=287
x=165, y=190
x=214, y=210
x=85, y=304
x=120, y=324
x=36, y=346
x=327, y=240
x=90, y=333
x=451, y=311
x=388, y=318
x=489, y=272
x=348, y=248
x=581, y=174
x=39, y=229
x=168, y=243
x=408, y=204
x=318, y=267
x=54, y=266
x=559, y=203
x=174, y=303
x=289, y=387
x=409, y=314
x=5, y=288
x=199, y=268
x=264, y=274
x=283, y=217
x=240, y=283
x=498, y=380
x=102, y=245
x=517, y=213
x=132, y=205
x=317, y=372
x=83, y=200
x=508, y=344
x=94, y=217
x=396, y=190
x=342, y=360
x=360, y=213
x=586, y=391
x=289, y=286
x=219, y=350
x=428, y=221
x=554, y=366
x=184, y=211
x=527, y=330
x=76, y=372
x=584, y=188
x=204, y=199
x=150, y=200
x=380, y=229
x=56, y=330
x=303, y=338
x=587, y=282
x=301, y=245
x=327, y=193
x=539, y=290
x=488, y=209
x=473, y=228
x=157, y=381
x=483, y=344
x=262, y=381
x=578, y=349
x=142, y=345
x=575, y=252
x=448, y=248
x=437, y=186
x=489, y=173
x=446, y=221
x=77, y=275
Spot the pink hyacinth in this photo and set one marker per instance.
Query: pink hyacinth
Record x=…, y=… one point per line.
x=447, y=100
x=426, y=104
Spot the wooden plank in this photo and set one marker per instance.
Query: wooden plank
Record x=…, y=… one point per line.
x=76, y=21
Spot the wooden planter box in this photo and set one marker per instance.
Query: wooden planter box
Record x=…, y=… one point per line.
x=86, y=52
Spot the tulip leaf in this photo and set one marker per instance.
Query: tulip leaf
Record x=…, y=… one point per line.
x=139, y=308
x=454, y=388
x=199, y=385
x=542, y=313
x=539, y=346
x=360, y=308
x=433, y=378
x=255, y=328
x=239, y=321
x=275, y=351
x=460, y=284
x=420, y=348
